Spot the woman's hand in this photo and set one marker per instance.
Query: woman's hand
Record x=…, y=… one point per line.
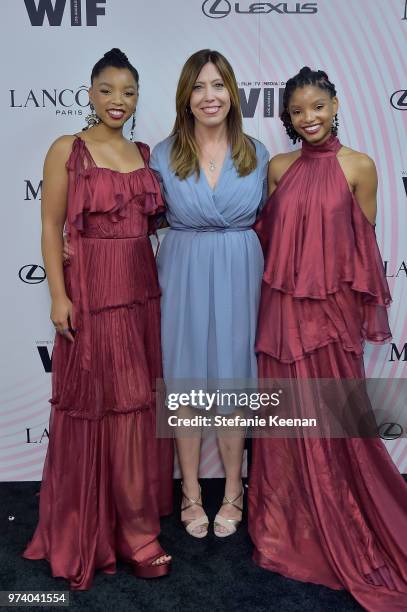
x=67, y=252
x=62, y=317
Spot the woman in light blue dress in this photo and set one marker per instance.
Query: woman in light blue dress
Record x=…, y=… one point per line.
x=210, y=263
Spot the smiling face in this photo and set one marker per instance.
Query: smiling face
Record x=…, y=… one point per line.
x=312, y=110
x=210, y=99
x=114, y=94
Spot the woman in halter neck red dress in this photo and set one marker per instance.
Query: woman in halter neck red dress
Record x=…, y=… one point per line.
x=103, y=486
x=328, y=511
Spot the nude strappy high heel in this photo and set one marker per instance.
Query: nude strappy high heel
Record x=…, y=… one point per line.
x=192, y=524
x=230, y=525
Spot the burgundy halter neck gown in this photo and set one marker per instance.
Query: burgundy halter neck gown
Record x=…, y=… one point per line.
x=328, y=511
x=106, y=477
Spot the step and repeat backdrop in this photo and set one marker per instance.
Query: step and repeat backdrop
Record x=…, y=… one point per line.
x=49, y=48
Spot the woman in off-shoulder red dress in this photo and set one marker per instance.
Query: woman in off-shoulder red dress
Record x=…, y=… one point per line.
x=325, y=510
x=106, y=477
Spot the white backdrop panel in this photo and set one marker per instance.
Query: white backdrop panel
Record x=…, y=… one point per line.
x=45, y=72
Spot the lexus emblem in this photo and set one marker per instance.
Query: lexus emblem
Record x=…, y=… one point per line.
x=32, y=274
x=398, y=100
x=390, y=431
x=216, y=9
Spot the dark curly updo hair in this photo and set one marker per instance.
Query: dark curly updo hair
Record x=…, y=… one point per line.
x=115, y=59
x=306, y=76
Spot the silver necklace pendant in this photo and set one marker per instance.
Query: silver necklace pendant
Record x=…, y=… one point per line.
x=212, y=165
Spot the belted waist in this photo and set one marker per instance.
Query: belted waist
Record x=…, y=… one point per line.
x=90, y=237
x=211, y=228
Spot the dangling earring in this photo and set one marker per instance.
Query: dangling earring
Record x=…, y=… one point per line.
x=92, y=119
x=133, y=125
x=335, y=125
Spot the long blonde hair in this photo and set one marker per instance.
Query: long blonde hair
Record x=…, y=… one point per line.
x=184, y=152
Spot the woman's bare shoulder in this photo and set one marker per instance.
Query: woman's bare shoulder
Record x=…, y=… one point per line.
x=280, y=163
x=361, y=160
x=62, y=146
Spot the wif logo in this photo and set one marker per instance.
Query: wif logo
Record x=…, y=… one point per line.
x=55, y=9
x=46, y=358
x=271, y=99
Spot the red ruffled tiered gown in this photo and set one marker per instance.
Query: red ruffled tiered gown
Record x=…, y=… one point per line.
x=106, y=478
x=328, y=511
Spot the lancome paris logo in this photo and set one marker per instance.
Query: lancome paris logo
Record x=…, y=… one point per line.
x=398, y=270
x=82, y=12
x=267, y=96
x=218, y=9
x=35, y=436
x=65, y=102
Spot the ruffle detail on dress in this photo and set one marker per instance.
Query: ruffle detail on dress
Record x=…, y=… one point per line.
x=321, y=261
x=101, y=190
x=321, y=255
x=290, y=328
x=98, y=198
x=126, y=359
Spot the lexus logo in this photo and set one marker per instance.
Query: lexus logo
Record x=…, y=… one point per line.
x=390, y=431
x=398, y=100
x=32, y=274
x=216, y=9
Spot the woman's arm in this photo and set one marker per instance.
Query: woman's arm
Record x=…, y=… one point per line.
x=272, y=175
x=365, y=186
x=53, y=215
x=160, y=221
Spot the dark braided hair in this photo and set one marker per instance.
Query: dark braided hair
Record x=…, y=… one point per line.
x=306, y=76
x=116, y=59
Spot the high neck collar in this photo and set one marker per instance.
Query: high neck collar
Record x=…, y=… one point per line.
x=329, y=148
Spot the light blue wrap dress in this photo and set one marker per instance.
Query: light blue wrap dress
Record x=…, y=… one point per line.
x=210, y=266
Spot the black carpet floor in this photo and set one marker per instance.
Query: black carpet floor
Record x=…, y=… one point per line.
x=209, y=574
